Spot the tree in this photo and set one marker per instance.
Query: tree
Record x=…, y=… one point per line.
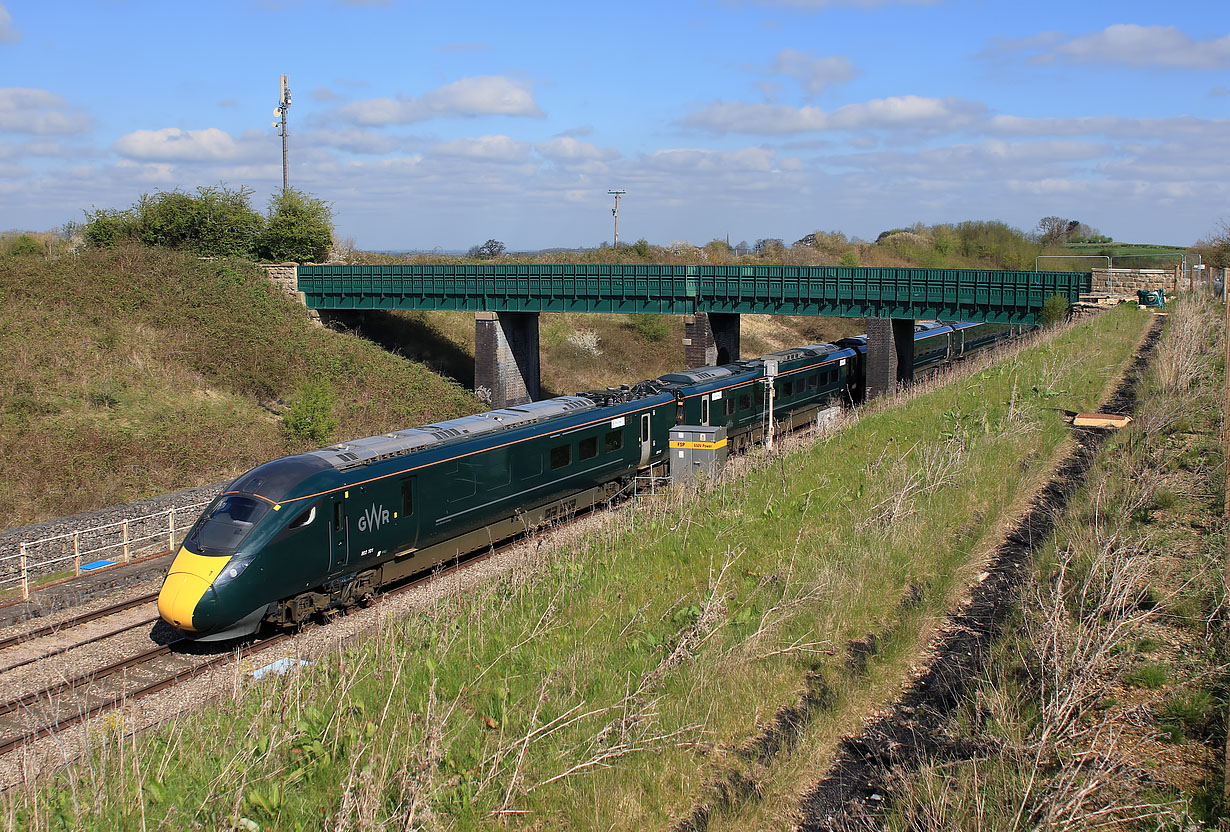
x=487, y=251
x=1055, y=230
x=769, y=245
x=300, y=228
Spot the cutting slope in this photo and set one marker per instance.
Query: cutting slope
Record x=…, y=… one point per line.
x=135, y=372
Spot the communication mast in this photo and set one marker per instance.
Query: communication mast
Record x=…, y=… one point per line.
x=280, y=112
x=615, y=213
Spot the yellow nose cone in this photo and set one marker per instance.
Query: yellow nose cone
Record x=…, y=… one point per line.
x=189, y=578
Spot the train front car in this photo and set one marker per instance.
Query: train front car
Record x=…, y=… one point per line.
x=223, y=581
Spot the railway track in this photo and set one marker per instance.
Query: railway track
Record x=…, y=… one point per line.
x=70, y=702
x=62, y=627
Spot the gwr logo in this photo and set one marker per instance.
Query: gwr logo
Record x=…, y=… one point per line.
x=373, y=518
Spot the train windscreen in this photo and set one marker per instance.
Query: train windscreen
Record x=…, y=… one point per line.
x=229, y=522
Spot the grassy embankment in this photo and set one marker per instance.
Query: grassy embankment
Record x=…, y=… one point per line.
x=1106, y=704
x=135, y=372
x=611, y=685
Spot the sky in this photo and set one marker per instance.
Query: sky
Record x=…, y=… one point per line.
x=440, y=125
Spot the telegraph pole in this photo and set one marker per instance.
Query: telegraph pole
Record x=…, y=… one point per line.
x=615, y=213
x=280, y=112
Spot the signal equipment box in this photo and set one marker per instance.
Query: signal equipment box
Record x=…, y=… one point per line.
x=697, y=448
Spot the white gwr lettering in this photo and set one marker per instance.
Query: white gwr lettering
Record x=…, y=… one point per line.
x=373, y=518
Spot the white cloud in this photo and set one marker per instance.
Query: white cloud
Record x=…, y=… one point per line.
x=907, y=111
x=354, y=140
x=700, y=160
x=484, y=149
x=1111, y=126
x=8, y=34
x=1126, y=44
x=476, y=96
x=171, y=144
x=565, y=149
x=39, y=112
x=813, y=74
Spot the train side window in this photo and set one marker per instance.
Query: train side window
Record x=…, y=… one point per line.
x=645, y=427
x=614, y=441
x=337, y=515
x=788, y=389
x=730, y=406
x=407, y=497
x=812, y=381
x=303, y=519
x=588, y=448
x=704, y=410
x=561, y=455
x=745, y=401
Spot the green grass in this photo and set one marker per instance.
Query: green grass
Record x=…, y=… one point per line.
x=134, y=372
x=609, y=689
x=1133, y=569
x=1149, y=676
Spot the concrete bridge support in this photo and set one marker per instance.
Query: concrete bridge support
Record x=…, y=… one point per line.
x=506, y=357
x=710, y=338
x=890, y=354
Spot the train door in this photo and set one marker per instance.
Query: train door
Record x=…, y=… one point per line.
x=646, y=439
x=339, y=552
x=408, y=521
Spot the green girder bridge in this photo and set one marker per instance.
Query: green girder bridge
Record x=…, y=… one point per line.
x=507, y=297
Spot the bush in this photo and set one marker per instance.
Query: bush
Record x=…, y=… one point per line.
x=850, y=258
x=25, y=245
x=107, y=228
x=300, y=228
x=311, y=413
x=217, y=222
x=1054, y=310
x=649, y=327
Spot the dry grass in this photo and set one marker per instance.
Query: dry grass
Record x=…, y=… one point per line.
x=1073, y=737
x=161, y=372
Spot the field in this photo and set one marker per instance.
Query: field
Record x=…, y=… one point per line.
x=628, y=679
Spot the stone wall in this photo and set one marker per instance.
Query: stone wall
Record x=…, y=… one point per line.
x=286, y=277
x=1127, y=281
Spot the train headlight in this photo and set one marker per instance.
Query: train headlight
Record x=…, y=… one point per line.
x=232, y=571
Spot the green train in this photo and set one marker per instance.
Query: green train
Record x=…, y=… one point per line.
x=324, y=530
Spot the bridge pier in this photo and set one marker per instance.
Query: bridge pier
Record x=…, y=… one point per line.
x=890, y=354
x=710, y=338
x=506, y=357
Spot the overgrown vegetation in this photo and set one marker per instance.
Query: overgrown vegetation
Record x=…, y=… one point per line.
x=134, y=371
x=614, y=684
x=218, y=222
x=1054, y=310
x=1105, y=707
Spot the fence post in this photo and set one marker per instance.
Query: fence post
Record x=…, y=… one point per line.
x=126, y=548
x=77, y=553
x=25, y=576
x=171, y=530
